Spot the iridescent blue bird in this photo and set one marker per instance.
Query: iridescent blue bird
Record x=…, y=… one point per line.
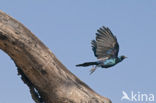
x=106, y=49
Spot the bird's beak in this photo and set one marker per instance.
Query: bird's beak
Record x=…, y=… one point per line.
x=126, y=57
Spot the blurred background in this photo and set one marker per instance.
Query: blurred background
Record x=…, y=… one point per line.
x=67, y=28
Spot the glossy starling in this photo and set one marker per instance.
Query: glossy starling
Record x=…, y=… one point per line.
x=106, y=49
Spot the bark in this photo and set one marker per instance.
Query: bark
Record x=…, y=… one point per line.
x=48, y=79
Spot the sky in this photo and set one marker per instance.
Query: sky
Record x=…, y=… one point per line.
x=67, y=27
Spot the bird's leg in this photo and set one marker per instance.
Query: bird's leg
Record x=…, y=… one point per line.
x=93, y=69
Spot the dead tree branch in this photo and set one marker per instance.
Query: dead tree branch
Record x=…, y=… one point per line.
x=48, y=79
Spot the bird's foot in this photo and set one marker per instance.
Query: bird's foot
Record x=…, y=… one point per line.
x=92, y=70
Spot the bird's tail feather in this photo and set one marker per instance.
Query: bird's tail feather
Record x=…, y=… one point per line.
x=87, y=64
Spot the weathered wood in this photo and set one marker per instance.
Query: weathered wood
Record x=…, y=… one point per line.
x=48, y=79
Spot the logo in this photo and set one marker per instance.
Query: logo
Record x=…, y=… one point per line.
x=137, y=96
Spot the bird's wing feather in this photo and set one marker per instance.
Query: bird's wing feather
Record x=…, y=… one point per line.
x=106, y=44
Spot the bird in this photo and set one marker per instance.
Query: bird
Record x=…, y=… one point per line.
x=105, y=48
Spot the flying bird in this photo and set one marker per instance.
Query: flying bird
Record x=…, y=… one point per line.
x=106, y=49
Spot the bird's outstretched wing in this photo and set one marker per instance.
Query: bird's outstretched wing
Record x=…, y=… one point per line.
x=105, y=45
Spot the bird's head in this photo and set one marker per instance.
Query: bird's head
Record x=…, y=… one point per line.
x=122, y=57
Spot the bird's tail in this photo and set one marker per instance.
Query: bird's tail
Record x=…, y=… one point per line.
x=87, y=64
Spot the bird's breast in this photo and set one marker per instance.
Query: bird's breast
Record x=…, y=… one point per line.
x=108, y=63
